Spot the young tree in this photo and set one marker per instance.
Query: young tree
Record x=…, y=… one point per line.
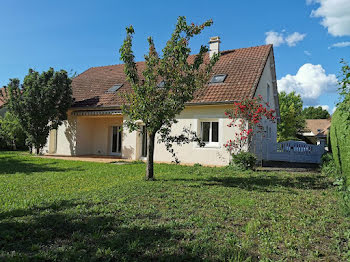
x=315, y=113
x=40, y=103
x=292, y=120
x=166, y=84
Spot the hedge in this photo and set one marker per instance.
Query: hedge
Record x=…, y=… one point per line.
x=340, y=139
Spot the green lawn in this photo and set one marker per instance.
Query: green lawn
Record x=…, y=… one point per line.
x=78, y=211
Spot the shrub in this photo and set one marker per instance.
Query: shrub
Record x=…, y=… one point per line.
x=244, y=160
x=340, y=137
x=12, y=135
x=328, y=167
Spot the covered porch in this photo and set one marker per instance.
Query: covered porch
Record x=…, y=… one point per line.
x=99, y=132
x=96, y=133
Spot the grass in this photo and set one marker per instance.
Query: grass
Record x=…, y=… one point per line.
x=79, y=211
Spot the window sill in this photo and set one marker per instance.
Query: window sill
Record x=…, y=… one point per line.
x=211, y=145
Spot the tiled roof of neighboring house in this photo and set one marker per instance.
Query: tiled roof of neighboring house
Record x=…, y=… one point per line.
x=243, y=68
x=319, y=127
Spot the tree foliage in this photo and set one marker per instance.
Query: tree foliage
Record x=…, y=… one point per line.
x=315, y=113
x=344, y=83
x=292, y=120
x=40, y=103
x=166, y=84
x=11, y=132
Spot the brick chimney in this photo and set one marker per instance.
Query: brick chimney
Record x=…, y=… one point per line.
x=214, y=46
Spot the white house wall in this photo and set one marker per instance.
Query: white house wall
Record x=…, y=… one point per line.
x=66, y=138
x=271, y=128
x=192, y=153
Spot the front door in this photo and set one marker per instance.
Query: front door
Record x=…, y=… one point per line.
x=116, y=147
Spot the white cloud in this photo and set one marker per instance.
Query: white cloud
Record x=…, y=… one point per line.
x=274, y=38
x=340, y=45
x=333, y=110
x=335, y=15
x=278, y=39
x=307, y=53
x=311, y=81
x=294, y=38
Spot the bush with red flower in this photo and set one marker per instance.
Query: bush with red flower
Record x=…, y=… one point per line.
x=246, y=116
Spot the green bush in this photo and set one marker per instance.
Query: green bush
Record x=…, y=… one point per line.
x=340, y=140
x=328, y=166
x=12, y=136
x=244, y=160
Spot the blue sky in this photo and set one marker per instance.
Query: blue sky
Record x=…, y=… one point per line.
x=76, y=35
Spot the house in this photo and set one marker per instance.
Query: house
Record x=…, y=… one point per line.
x=94, y=125
x=316, y=131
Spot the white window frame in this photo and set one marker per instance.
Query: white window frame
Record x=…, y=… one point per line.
x=111, y=141
x=210, y=144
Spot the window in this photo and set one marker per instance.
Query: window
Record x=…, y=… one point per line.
x=116, y=140
x=268, y=93
x=114, y=88
x=210, y=132
x=218, y=79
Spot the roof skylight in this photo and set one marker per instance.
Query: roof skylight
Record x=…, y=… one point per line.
x=218, y=78
x=114, y=88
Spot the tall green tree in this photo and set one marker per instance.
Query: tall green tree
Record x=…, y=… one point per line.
x=11, y=132
x=292, y=120
x=40, y=103
x=315, y=113
x=165, y=85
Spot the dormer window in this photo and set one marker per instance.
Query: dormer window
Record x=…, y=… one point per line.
x=114, y=88
x=218, y=79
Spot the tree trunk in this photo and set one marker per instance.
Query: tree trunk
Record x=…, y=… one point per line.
x=150, y=155
x=38, y=150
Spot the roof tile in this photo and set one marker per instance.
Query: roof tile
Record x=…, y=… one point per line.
x=243, y=67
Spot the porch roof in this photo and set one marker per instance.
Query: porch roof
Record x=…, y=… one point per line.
x=96, y=112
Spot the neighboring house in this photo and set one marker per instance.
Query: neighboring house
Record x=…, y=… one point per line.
x=95, y=119
x=316, y=131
